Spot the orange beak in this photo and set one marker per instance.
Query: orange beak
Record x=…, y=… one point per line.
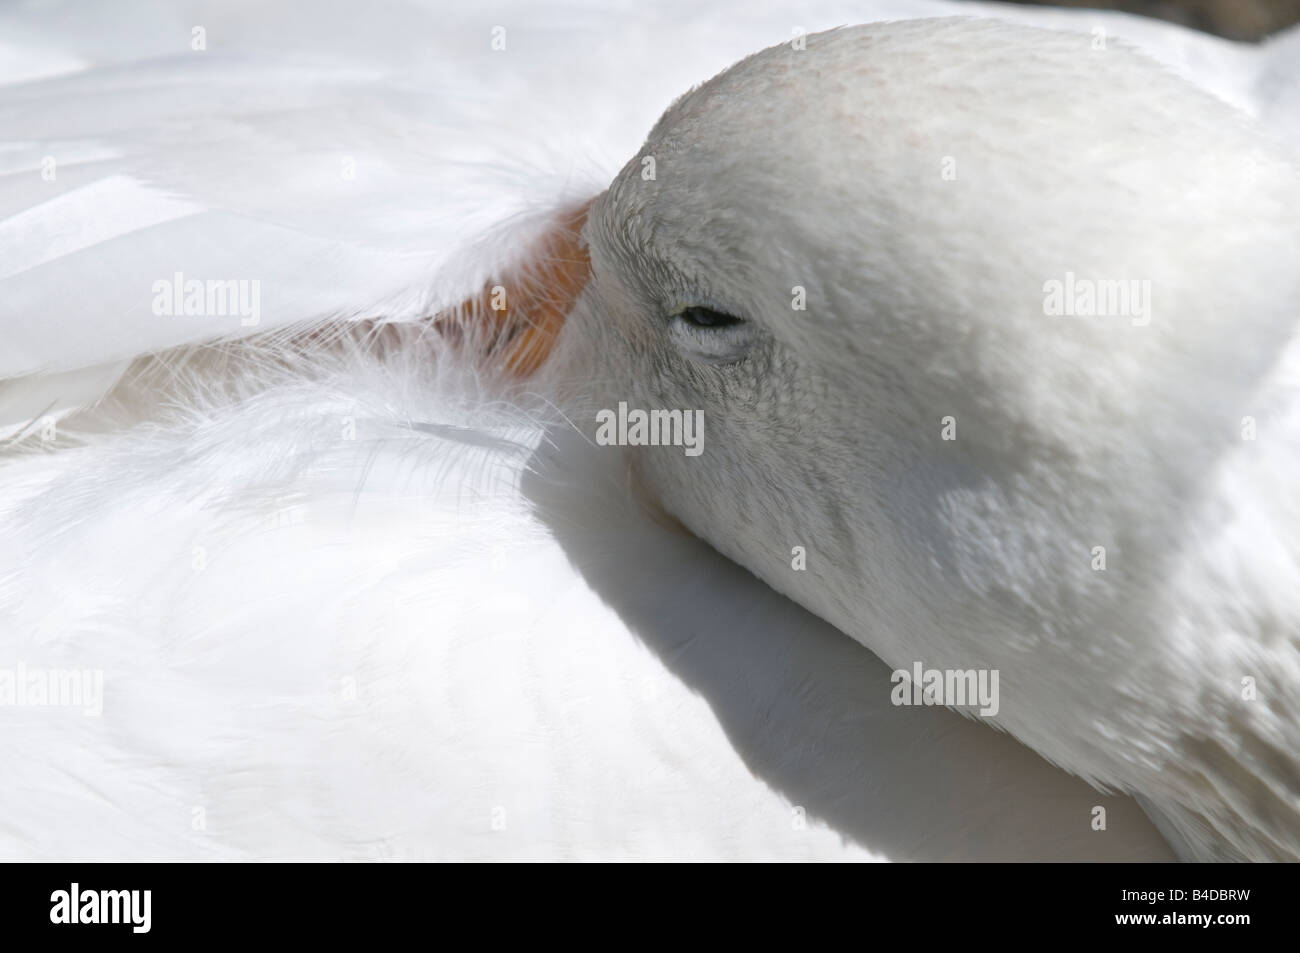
x=525, y=309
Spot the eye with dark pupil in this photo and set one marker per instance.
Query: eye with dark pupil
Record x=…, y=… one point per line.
x=707, y=318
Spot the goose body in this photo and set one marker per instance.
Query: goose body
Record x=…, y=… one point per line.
x=349, y=600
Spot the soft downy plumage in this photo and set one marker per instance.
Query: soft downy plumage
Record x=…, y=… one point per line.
x=350, y=598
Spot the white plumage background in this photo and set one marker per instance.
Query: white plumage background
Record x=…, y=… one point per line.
x=354, y=602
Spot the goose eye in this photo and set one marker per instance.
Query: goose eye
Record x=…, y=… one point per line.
x=708, y=318
x=715, y=337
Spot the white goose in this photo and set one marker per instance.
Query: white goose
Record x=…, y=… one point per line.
x=296, y=664
x=1101, y=508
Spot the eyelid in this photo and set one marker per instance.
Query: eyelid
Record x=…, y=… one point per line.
x=705, y=303
x=722, y=346
x=730, y=326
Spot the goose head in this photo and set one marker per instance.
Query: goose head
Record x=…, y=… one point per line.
x=845, y=258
